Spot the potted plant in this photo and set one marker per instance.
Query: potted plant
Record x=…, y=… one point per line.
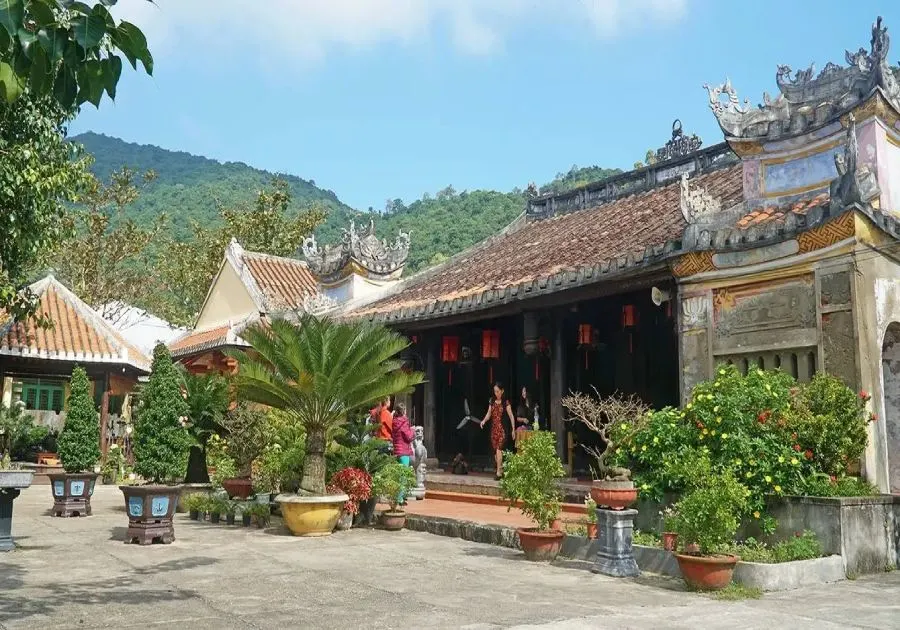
x=161, y=445
x=590, y=508
x=192, y=503
x=358, y=447
x=708, y=515
x=392, y=483
x=79, y=451
x=669, y=535
x=207, y=400
x=230, y=511
x=261, y=513
x=356, y=484
x=113, y=468
x=529, y=480
x=12, y=481
x=319, y=371
x=245, y=430
x=246, y=514
x=217, y=507
x=606, y=417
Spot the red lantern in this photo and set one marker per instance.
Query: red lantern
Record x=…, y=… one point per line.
x=450, y=349
x=490, y=344
x=585, y=334
x=544, y=346
x=629, y=316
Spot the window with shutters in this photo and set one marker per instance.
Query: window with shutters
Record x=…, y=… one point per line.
x=44, y=395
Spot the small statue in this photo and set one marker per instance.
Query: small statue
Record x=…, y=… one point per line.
x=420, y=454
x=855, y=183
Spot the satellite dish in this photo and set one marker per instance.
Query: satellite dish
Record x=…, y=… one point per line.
x=658, y=296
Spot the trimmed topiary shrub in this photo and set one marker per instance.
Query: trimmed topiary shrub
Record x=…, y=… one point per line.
x=161, y=441
x=79, y=442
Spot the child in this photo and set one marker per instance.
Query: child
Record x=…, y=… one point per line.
x=402, y=438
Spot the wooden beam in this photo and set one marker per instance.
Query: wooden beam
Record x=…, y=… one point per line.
x=558, y=383
x=429, y=418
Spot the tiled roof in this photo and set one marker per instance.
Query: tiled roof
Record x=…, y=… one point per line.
x=284, y=282
x=78, y=333
x=768, y=214
x=622, y=229
x=211, y=338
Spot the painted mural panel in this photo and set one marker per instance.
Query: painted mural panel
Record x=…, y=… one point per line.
x=801, y=173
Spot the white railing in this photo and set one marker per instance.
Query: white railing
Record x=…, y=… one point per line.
x=50, y=419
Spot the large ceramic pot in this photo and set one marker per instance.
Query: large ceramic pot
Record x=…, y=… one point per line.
x=311, y=516
x=540, y=546
x=150, y=510
x=393, y=521
x=11, y=483
x=238, y=487
x=707, y=573
x=72, y=493
x=615, y=495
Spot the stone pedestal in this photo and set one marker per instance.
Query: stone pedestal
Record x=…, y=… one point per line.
x=6, y=511
x=615, y=556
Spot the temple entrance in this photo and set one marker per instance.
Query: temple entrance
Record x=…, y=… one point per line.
x=890, y=365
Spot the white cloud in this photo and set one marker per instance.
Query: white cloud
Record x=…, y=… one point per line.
x=307, y=30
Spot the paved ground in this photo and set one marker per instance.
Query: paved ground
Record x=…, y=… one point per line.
x=77, y=573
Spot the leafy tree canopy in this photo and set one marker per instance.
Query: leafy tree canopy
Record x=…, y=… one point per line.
x=66, y=50
x=79, y=442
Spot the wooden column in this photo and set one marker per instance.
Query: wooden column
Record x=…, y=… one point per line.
x=558, y=383
x=429, y=418
x=104, y=415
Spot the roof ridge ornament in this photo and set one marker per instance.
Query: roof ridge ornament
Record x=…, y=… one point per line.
x=679, y=145
x=378, y=258
x=855, y=183
x=697, y=205
x=807, y=100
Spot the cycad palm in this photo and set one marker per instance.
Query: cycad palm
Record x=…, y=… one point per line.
x=207, y=399
x=319, y=371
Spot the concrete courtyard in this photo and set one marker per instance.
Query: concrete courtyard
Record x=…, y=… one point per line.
x=77, y=573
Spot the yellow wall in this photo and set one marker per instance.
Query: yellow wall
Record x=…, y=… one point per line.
x=228, y=300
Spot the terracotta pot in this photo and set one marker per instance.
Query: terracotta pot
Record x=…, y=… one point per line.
x=615, y=495
x=692, y=548
x=592, y=530
x=393, y=521
x=707, y=573
x=238, y=487
x=540, y=546
x=670, y=541
x=557, y=524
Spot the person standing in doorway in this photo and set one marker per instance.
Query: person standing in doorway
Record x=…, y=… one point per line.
x=497, y=408
x=402, y=438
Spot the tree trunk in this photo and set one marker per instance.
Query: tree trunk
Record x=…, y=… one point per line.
x=196, y=469
x=313, y=481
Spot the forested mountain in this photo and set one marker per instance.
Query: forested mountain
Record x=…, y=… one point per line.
x=188, y=187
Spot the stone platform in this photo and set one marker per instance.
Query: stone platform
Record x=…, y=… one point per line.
x=574, y=490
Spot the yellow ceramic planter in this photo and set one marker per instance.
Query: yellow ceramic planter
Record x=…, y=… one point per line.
x=311, y=516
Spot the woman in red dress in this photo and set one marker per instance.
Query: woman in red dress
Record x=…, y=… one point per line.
x=497, y=408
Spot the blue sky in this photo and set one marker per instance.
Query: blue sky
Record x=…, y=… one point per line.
x=379, y=99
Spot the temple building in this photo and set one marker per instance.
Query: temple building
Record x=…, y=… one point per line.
x=777, y=247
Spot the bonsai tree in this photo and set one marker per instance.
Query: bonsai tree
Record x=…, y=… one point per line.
x=601, y=415
x=207, y=403
x=79, y=441
x=246, y=436
x=161, y=442
x=318, y=371
x=393, y=482
x=530, y=478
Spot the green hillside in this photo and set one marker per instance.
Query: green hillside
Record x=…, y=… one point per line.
x=189, y=187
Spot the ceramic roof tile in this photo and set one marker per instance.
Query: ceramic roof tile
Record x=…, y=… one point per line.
x=78, y=332
x=285, y=282
x=567, y=242
x=762, y=216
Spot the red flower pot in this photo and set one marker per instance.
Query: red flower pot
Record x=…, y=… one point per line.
x=393, y=521
x=708, y=573
x=240, y=487
x=540, y=546
x=669, y=541
x=557, y=525
x=592, y=530
x=615, y=495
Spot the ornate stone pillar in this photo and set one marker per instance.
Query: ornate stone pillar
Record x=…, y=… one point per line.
x=615, y=556
x=558, y=383
x=430, y=411
x=694, y=330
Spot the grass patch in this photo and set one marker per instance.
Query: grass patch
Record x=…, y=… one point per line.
x=736, y=592
x=645, y=539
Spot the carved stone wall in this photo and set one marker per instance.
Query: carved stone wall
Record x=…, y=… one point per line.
x=838, y=338
x=693, y=341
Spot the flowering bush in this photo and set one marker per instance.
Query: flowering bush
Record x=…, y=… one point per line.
x=772, y=435
x=529, y=477
x=355, y=483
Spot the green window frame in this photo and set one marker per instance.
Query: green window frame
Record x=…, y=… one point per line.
x=44, y=395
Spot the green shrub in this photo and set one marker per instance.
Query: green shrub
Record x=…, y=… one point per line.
x=193, y=502
x=803, y=546
x=392, y=482
x=529, y=477
x=217, y=505
x=79, y=442
x=161, y=442
x=246, y=437
x=645, y=539
x=772, y=435
x=822, y=485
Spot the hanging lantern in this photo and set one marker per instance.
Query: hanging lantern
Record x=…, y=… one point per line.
x=544, y=346
x=450, y=349
x=450, y=355
x=629, y=316
x=490, y=344
x=585, y=334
